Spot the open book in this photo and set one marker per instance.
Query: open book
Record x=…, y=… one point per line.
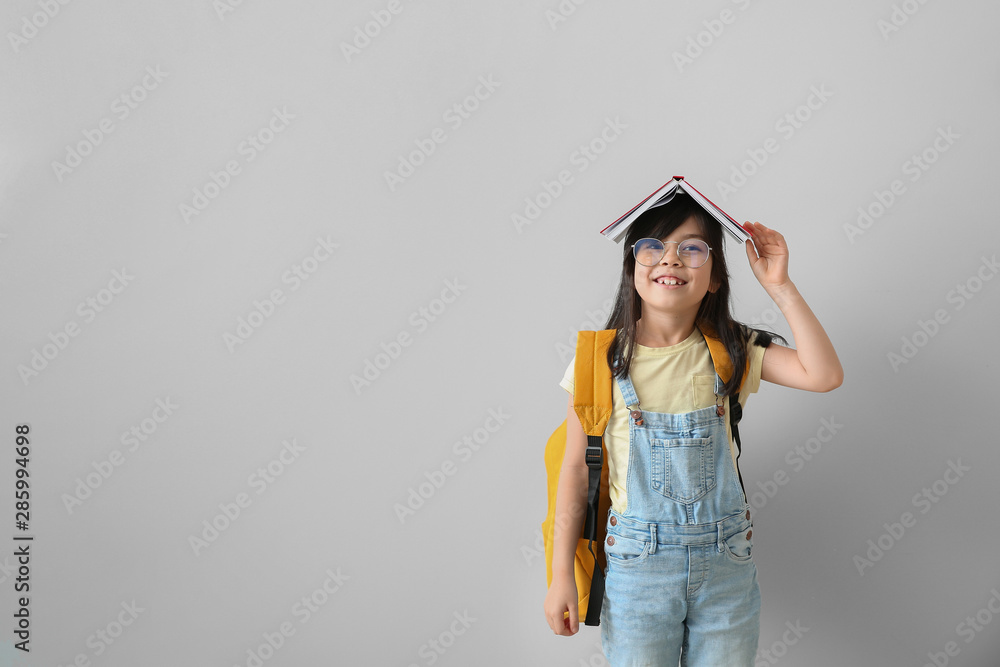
x=616, y=230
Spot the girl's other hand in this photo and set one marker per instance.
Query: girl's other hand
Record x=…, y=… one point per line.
x=562, y=597
x=768, y=255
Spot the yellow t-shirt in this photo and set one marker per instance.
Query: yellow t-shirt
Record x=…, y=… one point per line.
x=657, y=373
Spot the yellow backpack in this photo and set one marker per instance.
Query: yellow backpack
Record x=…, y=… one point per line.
x=592, y=401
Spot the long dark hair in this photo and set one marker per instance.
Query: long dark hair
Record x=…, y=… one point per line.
x=713, y=314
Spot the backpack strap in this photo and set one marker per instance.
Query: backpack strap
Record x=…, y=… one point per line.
x=592, y=401
x=592, y=380
x=724, y=367
x=720, y=356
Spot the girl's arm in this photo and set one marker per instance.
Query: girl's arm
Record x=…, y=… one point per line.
x=571, y=506
x=814, y=365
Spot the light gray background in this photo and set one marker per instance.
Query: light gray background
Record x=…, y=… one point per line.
x=472, y=548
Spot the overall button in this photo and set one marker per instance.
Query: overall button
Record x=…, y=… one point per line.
x=748, y=514
x=614, y=521
x=611, y=540
x=749, y=533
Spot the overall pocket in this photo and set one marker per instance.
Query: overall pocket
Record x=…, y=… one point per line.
x=738, y=547
x=683, y=469
x=625, y=550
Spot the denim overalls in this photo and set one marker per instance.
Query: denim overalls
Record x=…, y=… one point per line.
x=679, y=569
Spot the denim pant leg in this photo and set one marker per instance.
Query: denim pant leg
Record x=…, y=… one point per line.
x=723, y=617
x=644, y=604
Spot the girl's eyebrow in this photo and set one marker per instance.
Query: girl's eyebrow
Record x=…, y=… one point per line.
x=694, y=236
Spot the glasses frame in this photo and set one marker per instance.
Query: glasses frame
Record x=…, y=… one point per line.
x=664, y=244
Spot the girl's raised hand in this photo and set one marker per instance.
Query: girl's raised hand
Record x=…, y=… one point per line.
x=769, y=260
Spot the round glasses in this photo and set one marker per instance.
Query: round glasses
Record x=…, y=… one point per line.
x=692, y=252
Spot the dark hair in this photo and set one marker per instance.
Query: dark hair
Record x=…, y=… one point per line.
x=714, y=312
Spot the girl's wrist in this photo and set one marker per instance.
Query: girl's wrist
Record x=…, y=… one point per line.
x=784, y=293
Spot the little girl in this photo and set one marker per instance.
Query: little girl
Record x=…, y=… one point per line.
x=681, y=583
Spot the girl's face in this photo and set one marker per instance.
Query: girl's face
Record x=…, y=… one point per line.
x=692, y=285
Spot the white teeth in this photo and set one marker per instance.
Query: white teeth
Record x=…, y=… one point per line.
x=670, y=281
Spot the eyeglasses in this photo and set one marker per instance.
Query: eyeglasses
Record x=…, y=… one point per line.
x=692, y=252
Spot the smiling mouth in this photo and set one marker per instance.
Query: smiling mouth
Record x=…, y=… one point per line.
x=670, y=282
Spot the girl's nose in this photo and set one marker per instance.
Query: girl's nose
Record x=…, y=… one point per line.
x=670, y=248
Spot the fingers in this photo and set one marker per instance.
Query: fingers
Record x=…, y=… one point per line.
x=755, y=229
x=573, y=622
x=763, y=236
x=563, y=626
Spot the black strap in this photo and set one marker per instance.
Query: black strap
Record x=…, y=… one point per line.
x=596, y=593
x=595, y=463
x=735, y=415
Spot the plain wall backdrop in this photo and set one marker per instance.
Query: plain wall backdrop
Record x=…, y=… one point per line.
x=288, y=289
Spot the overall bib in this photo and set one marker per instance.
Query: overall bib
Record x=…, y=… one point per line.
x=679, y=573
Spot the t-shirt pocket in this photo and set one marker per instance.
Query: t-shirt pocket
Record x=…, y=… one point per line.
x=702, y=391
